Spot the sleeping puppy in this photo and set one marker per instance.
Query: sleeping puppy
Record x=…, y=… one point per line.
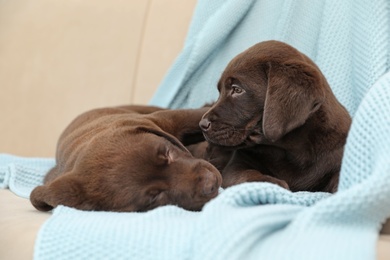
x=280, y=120
x=129, y=158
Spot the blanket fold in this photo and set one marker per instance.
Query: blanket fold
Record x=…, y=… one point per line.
x=22, y=175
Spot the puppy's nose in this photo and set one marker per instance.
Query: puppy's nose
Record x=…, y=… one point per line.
x=205, y=124
x=210, y=184
x=209, y=188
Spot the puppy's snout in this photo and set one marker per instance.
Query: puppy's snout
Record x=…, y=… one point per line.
x=209, y=184
x=205, y=124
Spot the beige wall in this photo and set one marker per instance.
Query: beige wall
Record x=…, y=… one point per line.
x=60, y=58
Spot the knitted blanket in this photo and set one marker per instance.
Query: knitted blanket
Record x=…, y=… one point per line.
x=349, y=40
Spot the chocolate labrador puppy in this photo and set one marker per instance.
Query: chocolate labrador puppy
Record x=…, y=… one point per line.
x=129, y=158
x=279, y=119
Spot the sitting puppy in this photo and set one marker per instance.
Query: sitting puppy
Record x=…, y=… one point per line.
x=129, y=158
x=280, y=120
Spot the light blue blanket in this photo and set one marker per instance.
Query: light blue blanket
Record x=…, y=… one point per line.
x=349, y=40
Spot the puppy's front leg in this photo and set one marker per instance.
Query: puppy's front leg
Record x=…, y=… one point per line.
x=238, y=171
x=234, y=178
x=181, y=123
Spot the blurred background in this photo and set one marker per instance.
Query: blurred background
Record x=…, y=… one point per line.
x=61, y=58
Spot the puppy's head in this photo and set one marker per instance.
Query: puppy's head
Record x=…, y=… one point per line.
x=265, y=92
x=164, y=172
x=133, y=169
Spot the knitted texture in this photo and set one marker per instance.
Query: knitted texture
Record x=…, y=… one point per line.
x=349, y=40
x=21, y=175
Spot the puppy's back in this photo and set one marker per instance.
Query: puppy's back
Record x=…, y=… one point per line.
x=81, y=131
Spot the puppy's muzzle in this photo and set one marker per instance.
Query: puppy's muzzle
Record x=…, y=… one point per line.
x=205, y=124
x=209, y=184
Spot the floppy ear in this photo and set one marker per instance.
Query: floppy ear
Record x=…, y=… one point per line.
x=294, y=92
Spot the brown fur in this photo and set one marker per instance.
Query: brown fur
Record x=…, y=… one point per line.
x=279, y=119
x=129, y=158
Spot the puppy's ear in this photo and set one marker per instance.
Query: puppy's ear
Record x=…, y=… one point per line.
x=294, y=92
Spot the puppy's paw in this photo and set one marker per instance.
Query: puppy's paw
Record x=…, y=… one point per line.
x=282, y=184
x=279, y=182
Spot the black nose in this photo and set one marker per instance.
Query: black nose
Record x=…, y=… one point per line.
x=205, y=124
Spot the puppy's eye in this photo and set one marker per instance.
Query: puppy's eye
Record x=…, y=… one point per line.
x=236, y=90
